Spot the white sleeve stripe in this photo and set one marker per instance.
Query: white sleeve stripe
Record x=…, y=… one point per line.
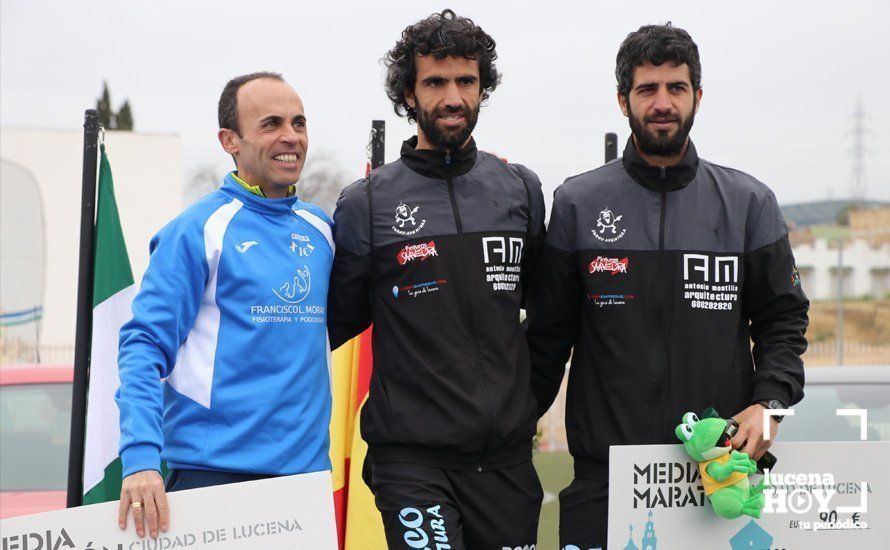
x=192, y=376
x=318, y=224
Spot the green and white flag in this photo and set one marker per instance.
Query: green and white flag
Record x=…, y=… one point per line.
x=113, y=292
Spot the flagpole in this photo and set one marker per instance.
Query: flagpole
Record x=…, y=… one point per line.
x=611, y=146
x=84, y=330
x=378, y=142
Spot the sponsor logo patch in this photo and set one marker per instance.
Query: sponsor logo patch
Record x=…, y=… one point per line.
x=245, y=246
x=406, y=222
x=426, y=287
x=711, y=283
x=420, y=251
x=605, y=299
x=294, y=292
x=614, y=266
x=428, y=531
x=300, y=244
x=607, y=229
x=503, y=258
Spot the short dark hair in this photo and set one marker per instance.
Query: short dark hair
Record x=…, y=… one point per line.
x=227, y=111
x=656, y=44
x=440, y=34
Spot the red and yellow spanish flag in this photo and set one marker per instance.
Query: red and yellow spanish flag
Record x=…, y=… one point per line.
x=359, y=524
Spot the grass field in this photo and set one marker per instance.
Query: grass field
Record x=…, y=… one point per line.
x=555, y=471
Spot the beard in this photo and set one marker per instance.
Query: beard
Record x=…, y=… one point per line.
x=660, y=143
x=447, y=139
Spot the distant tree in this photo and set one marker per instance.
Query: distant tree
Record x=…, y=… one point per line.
x=320, y=183
x=203, y=179
x=322, y=180
x=843, y=215
x=103, y=105
x=124, y=118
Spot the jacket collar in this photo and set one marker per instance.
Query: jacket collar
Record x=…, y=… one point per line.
x=436, y=163
x=656, y=178
x=255, y=202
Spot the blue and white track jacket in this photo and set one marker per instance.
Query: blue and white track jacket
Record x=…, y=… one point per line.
x=232, y=313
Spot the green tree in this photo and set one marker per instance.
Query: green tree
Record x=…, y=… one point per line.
x=103, y=105
x=124, y=118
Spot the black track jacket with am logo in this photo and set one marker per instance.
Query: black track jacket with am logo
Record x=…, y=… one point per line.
x=440, y=267
x=660, y=279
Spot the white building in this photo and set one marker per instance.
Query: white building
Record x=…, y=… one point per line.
x=40, y=216
x=863, y=267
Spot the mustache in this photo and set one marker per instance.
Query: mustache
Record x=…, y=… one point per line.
x=451, y=110
x=662, y=118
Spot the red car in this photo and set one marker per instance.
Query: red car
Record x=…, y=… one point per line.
x=35, y=421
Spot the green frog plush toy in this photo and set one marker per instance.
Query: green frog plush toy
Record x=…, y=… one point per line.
x=724, y=471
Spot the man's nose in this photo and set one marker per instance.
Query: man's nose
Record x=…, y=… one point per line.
x=452, y=96
x=662, y=100
x=289, y=135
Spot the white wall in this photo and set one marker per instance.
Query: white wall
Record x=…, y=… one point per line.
x=147, y=172
x=818, y=266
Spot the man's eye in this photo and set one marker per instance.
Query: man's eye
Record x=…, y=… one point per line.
x=270, y=124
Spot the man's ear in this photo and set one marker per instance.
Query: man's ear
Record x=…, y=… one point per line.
x=622, y=102
x=229, y=140
x=697, y=100
x=410, y=99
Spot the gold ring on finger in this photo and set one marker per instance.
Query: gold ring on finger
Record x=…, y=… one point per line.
x=136, y=505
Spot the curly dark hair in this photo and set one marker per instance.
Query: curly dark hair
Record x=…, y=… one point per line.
x=227, y=109
x=656, y=44
x=440, y=34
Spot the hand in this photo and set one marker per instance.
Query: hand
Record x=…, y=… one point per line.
x=749, y=438
x=146, y=488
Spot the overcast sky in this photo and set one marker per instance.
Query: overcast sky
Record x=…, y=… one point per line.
x=780, y=78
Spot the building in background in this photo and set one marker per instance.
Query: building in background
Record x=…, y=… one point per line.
x=40, y=198
x=860, y=270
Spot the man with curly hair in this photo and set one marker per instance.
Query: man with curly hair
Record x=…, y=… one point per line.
x=661, y=269
x=436, y=249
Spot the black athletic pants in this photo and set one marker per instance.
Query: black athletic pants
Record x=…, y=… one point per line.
x=425, y=507
x=583, y=515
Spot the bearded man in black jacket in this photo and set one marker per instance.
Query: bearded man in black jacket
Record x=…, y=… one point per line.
x=436, y=250
x=660, y=268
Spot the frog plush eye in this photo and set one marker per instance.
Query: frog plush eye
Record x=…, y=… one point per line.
x=686, y=431
x=690, y=418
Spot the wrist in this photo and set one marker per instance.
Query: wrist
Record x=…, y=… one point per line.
x=773, y=404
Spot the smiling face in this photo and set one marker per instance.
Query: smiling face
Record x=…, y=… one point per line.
x=271, y=148
x=661, y=107
x=446, y=97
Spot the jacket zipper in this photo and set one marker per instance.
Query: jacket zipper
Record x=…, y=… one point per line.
x=662, y=295
x=471, y=321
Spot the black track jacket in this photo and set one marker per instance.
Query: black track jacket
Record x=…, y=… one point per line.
x=440, y=267
x=660, y=278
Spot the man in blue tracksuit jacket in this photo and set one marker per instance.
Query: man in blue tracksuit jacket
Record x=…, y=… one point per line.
x=232, y=314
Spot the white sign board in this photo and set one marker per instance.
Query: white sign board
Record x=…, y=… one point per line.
x=286, y=513
x=816, y=500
